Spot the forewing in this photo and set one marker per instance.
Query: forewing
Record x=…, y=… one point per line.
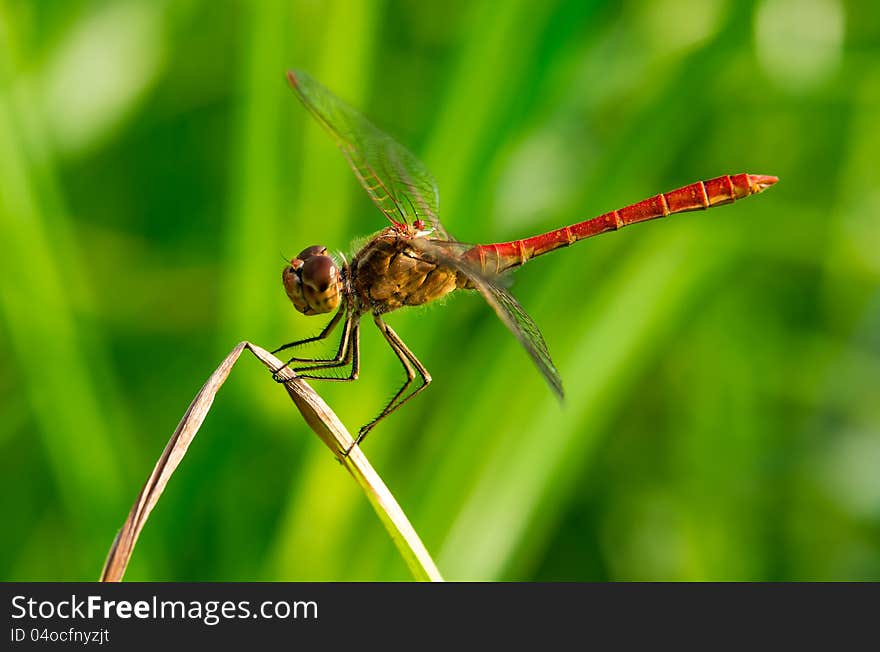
x=396, y=181
x=505, y=305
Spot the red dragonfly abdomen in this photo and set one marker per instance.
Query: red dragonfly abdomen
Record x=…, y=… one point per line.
x=496, y=258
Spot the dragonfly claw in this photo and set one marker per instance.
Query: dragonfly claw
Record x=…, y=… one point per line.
x=360, y=437
x=277, y=378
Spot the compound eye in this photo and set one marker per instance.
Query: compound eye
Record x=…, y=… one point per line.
x=319, y=272
x=314, y=250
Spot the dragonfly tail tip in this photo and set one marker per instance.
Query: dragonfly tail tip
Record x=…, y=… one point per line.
x=760, y=182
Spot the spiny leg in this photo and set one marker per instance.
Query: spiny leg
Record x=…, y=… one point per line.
x=351, y=356
x=406, y=357
x=320, y=336
x=408, y=360
x=329, y=362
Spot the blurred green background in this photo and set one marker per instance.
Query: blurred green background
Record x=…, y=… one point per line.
x=722, y=369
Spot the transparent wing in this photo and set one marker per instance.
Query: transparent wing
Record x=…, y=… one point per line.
x=508, y=309
x=514, y=316
x=396, y=181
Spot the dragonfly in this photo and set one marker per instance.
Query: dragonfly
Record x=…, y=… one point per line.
x=415, y=261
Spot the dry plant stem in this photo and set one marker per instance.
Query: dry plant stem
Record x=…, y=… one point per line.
x=321, y=420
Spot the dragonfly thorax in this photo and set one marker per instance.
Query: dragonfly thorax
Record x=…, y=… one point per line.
x=312, y=281
x=391, y=271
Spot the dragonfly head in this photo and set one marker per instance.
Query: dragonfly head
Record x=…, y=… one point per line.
x=312, y=281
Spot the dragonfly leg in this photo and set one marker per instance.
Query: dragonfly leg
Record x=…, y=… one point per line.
x=340, y=352
x=351, y=356
x=411, y=365
x=320, y=336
